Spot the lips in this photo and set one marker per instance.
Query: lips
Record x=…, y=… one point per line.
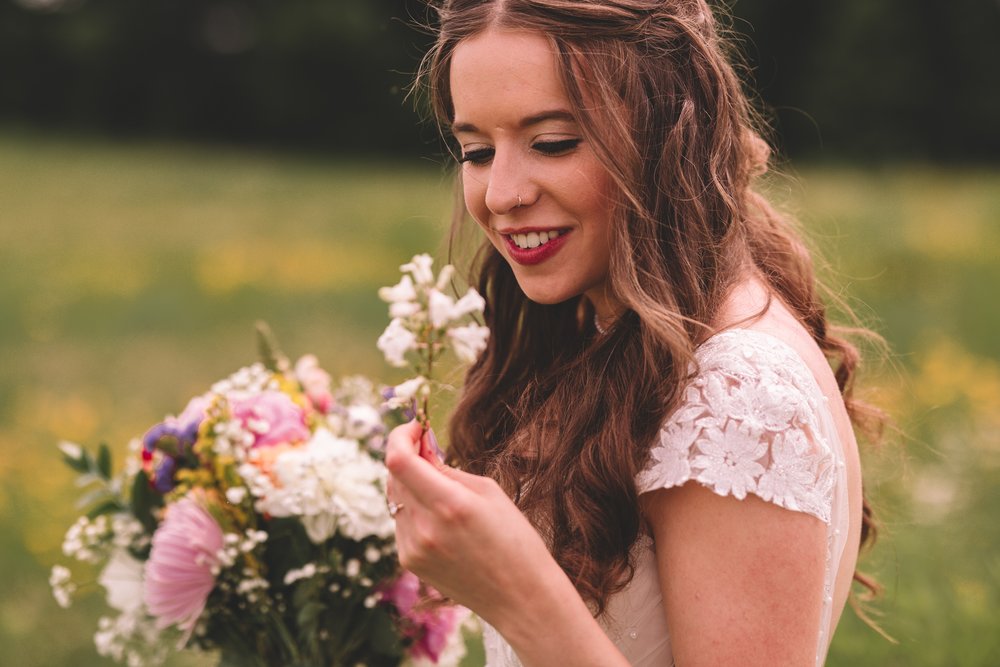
x=532, y=246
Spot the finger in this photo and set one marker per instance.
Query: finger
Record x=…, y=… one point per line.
x=416, y=477
x=476, y=483
x=403, y=441
x=405, y=438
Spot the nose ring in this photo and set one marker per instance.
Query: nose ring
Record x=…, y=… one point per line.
x=519, y=204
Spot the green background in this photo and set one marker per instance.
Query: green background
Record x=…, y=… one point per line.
x=172, y=171
x=131, y=275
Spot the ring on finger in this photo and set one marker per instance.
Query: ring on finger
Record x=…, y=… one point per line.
x=394, y=508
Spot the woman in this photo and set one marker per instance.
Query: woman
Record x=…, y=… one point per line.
x=658, y=463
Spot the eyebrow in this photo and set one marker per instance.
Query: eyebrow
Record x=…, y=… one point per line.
x=554, y=114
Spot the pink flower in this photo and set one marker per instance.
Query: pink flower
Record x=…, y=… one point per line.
x=430, y=627
x=403, y=593
x=315, y=381
x=438, y=625
x=272, y=417
x=179, y=571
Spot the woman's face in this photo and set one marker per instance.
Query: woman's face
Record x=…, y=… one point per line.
x=530, y=179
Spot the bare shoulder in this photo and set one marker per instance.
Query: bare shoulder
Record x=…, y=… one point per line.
x=742, y=580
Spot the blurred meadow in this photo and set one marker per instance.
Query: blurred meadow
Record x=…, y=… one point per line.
x=173, y=171
x=131, y=275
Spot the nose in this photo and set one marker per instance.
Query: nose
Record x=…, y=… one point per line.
x=509, y=182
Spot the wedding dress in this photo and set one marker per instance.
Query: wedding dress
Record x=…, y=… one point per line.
x=753, y=420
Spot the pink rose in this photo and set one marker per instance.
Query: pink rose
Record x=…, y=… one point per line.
x=315, y=381
x=272, y=417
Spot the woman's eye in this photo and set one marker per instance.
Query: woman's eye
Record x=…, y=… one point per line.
x=553, y=148
x=478, y=156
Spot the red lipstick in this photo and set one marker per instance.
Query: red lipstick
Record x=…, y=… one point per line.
x=536, y=255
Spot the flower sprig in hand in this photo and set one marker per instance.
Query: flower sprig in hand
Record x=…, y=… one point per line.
x=426, y=322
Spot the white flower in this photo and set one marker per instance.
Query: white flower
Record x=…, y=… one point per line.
x=400, y=292
x=236, y=494
x=405, y=392
x=441, y=307
x=362, y=421
x=472, y=302
x=420, y=267
x=445, y=276
x=62, y=587
x=404, y=309
x=122, y=581
x=71, y=450
x=469, y=341
x=306, y=571
x=444, y=309
x=332, y=485
x=396, y=341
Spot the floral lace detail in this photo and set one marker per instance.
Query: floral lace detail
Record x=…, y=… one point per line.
x=748, y=423
x=752, y=421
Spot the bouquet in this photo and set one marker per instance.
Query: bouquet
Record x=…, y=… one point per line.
x=255, y=523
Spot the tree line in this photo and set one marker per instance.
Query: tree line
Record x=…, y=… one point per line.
x=844, y=79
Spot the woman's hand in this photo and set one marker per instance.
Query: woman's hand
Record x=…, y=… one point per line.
x=462, y=534
x=456, y=531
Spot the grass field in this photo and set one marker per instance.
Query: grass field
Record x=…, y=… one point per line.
x=131, y=276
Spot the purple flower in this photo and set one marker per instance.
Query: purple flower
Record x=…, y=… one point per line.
x=164, y=479
x=409, y=412
x=173, y=437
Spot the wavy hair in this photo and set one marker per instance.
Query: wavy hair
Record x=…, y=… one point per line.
x=562, y=417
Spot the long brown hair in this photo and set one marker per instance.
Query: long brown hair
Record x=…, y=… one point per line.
x=552, y=402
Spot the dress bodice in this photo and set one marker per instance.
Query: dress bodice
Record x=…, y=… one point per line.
x=753, y=420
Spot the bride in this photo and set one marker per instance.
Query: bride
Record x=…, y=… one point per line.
x=653, y=461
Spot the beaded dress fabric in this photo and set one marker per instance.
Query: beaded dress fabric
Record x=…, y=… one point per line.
x=753, y=421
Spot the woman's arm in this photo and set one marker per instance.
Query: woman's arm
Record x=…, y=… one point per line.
x=463, y=535
x=742, y=580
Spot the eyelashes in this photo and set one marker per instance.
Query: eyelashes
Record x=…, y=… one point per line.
x=482, y=156
x=554, y=148
x=478, y=156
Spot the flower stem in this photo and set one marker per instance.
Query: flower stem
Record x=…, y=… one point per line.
x=286, y=637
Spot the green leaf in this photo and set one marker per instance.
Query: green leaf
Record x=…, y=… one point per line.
x=144, y=501
x=108, y=506
x=104, y=461
x=382, y=634
x=267, y=347
x=169, y=445
x=79, y=464
x=93, y=497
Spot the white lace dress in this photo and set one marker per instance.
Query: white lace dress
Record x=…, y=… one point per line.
x=754, y=421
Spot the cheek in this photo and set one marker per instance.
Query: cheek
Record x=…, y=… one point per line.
x=474, y=195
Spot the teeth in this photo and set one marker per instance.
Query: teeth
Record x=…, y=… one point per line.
x=533, y=239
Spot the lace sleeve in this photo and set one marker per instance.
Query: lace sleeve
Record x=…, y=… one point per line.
x=748, y=423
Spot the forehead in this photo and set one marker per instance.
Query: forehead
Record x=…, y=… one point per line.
x=504, y=75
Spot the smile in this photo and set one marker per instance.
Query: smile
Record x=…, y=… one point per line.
x=533, y=239
x=534, y=247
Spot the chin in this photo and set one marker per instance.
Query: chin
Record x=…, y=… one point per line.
x=546, y=297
